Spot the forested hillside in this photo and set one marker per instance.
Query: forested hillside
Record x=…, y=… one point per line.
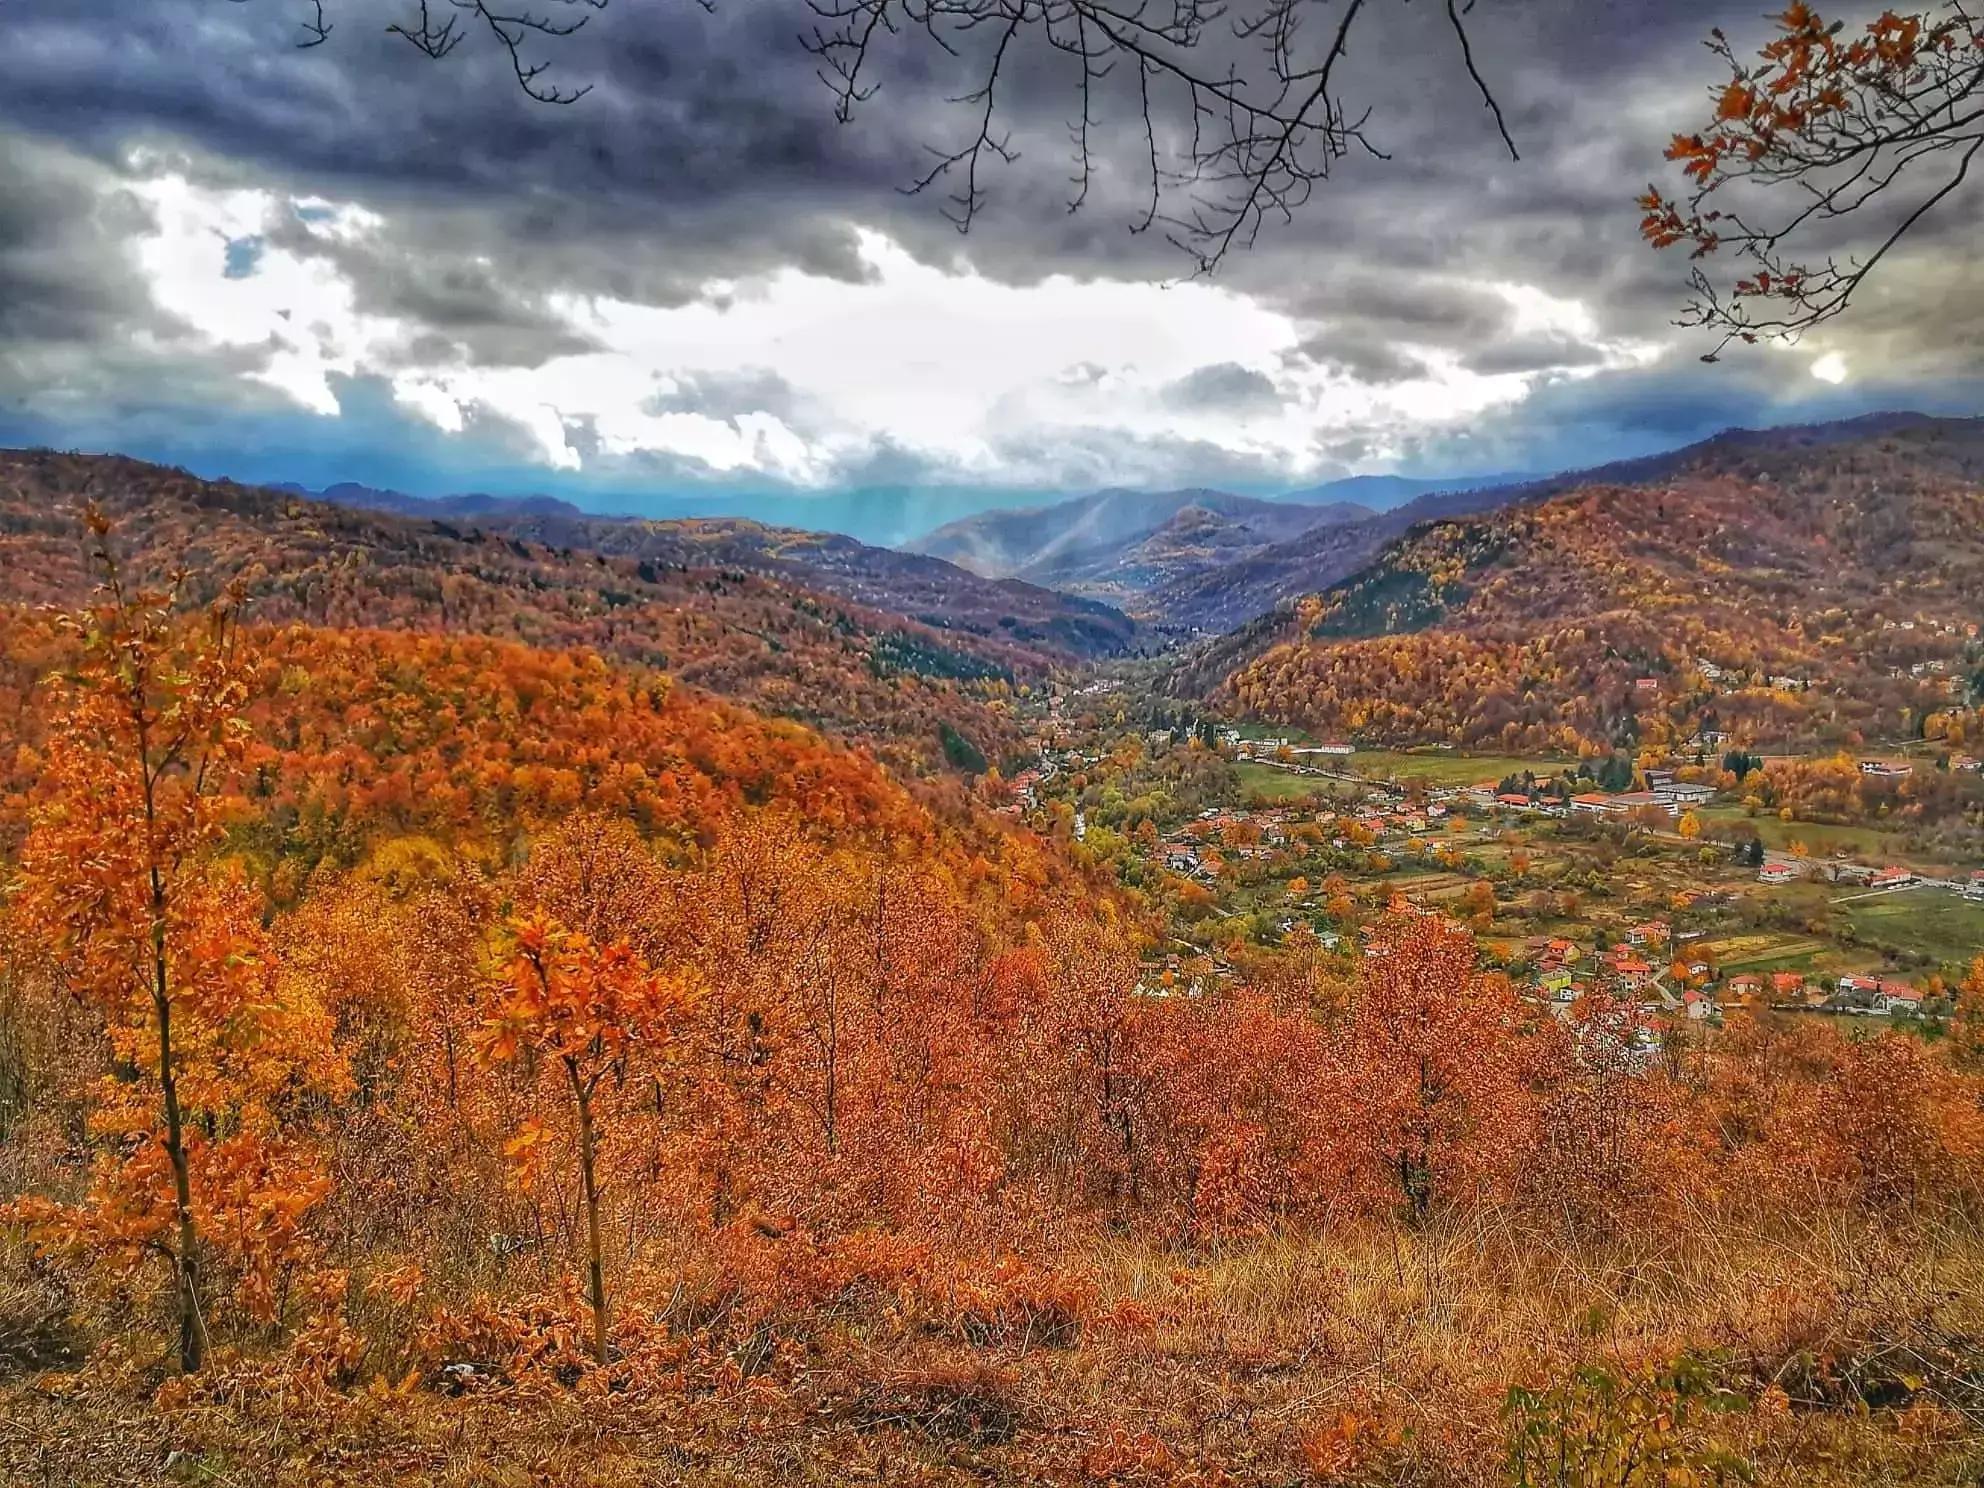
x=425, y=1050
x=768, y=640
x=1775, y=591
x=997, y=612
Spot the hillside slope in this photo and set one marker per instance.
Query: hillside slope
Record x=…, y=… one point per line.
x=1224, y=596
x=926, y=589
x=1118, y=543
x=784, y=648
x=1832, y=581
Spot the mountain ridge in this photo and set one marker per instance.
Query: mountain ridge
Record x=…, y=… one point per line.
x=799, y=651
x=1828, y=575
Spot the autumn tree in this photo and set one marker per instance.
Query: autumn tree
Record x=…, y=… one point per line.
x=1967, y=1026
x=585, y=1011
x=1828, y=126
x=208, y=1057
x=1437, y=1055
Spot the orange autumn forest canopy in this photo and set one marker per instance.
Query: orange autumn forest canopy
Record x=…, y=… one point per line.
x=737, y=1000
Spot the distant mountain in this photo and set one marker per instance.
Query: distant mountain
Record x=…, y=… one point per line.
x=473, y=505
x=1220, y=596
x=1120, y=544
x=925, y=589
x=1810, y=586
x=878, y=515
x=1383, y=492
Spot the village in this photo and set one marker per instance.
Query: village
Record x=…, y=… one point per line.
x=1648, y=887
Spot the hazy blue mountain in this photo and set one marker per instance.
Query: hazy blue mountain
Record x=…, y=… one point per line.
x=1120, y=543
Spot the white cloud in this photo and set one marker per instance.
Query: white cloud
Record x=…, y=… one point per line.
x=968, y=374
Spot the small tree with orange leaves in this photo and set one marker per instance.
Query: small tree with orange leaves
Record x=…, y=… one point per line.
x=1438, y=1065
x=118, y=881
x=584, y=1012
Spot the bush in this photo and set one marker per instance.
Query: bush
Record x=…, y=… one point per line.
x=1597, y=1429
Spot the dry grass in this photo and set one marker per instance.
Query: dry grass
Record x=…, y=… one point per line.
x=1369, y=1355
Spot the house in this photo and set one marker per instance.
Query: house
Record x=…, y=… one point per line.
x=1599, y=804
x=1975, y=888
x=1685, y=793
x=1659, y=779
x=1632, y=971
x=1510, y=798
x=1642, y=800
x=1899, y=997
x=1966, y=763
x=1557, y=953
x=1886, y=769
x=1698, y=1004
x=1646, y=685
x=1653, y=932
x=1747, y=985
x=1777, y=873
x=1891, y=878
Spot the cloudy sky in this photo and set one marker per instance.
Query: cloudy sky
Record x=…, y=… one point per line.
x=694, y=290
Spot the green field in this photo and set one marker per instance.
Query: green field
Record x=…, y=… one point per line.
x=1443, y=768
x=1775, y=953
x=1931, y=921
x=1282, y=785
x=1861, y=842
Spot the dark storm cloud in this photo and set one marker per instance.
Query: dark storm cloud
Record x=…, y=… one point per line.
x=468, y=309
x=1347, y=349
x=82, y=344
x=65, y=270
x=708, y=145
x=707, y=152
x=1531, y=353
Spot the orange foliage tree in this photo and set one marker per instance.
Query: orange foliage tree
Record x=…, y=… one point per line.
x=586, y=1011
x=194, y=1119
x=1436, y=1062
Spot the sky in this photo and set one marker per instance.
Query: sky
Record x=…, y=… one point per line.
x=693, y=290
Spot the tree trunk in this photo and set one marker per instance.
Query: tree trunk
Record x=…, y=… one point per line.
x=186, y=1259
x=595, y=1262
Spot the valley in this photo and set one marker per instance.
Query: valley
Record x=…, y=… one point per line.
x=768, y=1007
x=968, y=744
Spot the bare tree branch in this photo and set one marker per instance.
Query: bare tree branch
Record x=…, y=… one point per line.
x=1237, y=116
